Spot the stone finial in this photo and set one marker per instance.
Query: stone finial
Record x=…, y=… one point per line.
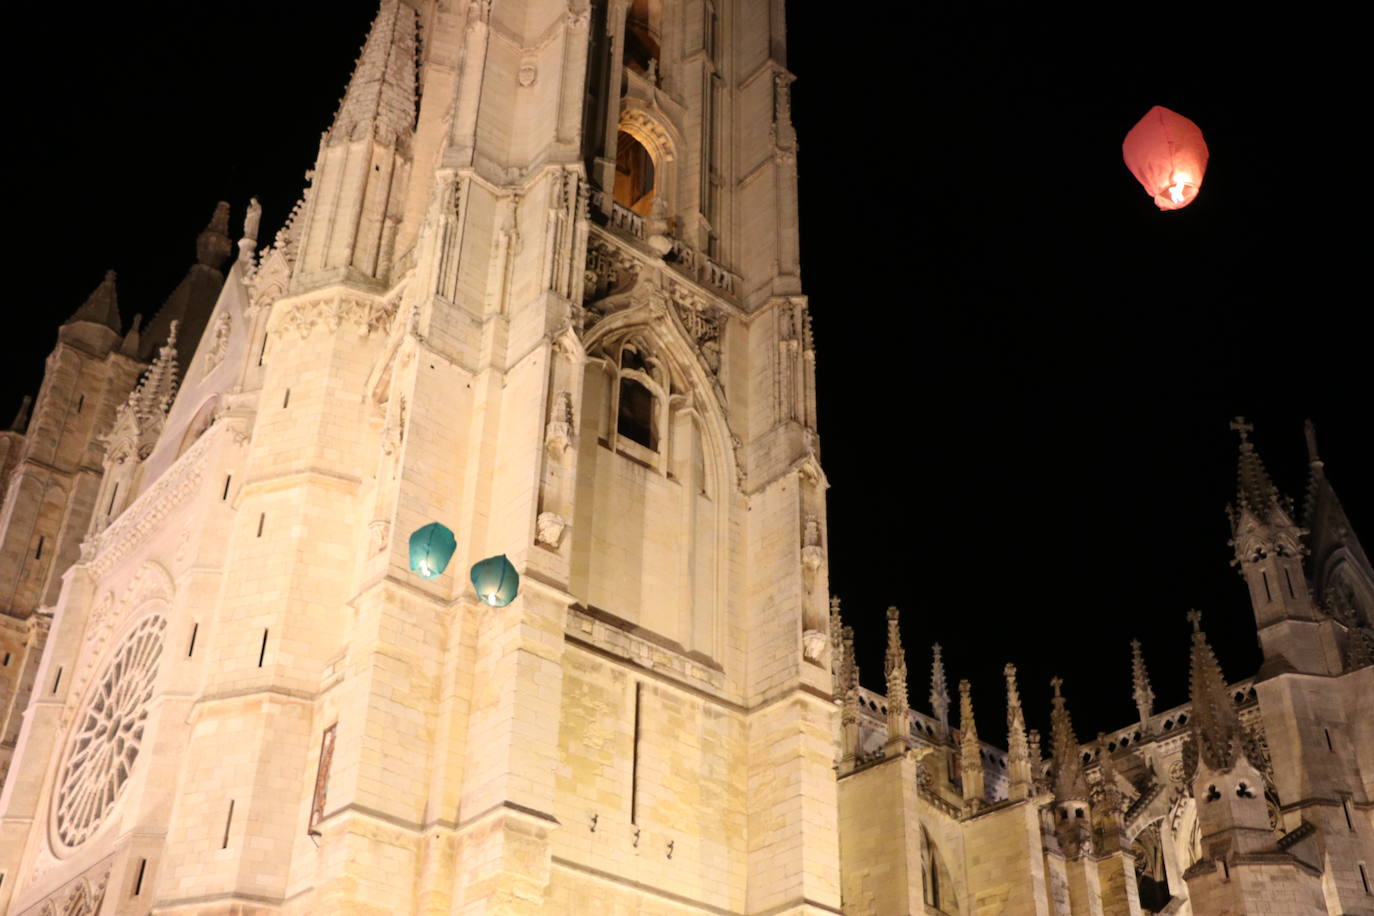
x=849, y=709
x=1018, y=748
x=1069, y=782
x=970, y=748
x=380, y=97
x=101, y=306
x=1214, y=724
x=836, y=648
x=939, y=693
x=1036, y=759
x=1140, y=687
x=21, y=419
x=894, y=667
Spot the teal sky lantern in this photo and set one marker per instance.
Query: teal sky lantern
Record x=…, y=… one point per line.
x=496, y=581
x=431, y=547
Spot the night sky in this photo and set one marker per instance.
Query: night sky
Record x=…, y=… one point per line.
x=1026, y=371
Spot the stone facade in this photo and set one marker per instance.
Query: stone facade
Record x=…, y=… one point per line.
x=543, y=289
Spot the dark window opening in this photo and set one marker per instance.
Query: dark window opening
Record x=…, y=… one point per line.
x=1287, y=577
x=1154, y=894
x=225, y=495
x=641, y=38
x=138, y=882
x=634, y=174
x=636, y=419
x=7, y=660
x=1265, y=577
x=38, y=553
x=1329, y=745
x=191, y=649
x=80, y=403
x=262, y=520
x=57, y=680
x=228, y=820
x=286, y=399
x=1364, y=879
x=109, y=510
x=262, y=653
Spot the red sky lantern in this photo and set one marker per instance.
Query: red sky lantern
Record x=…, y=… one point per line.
x=1167, y=155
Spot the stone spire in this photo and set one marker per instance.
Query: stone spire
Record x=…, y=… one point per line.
x=939, y=693
x=381, y=93
x=1069, y=783
x=894, y=667
x=1254, y=490
x=1316, y=472
x=153, y=397
x=1018, y=747
x=101, y=306
x=849, y=709
x=21, y=419
x=1108, y=806
x=1215, y=727
x=193, y=299
x=970, y=748
x=1140, y=687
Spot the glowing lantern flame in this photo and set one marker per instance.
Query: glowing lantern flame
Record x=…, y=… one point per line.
x=1168, y=156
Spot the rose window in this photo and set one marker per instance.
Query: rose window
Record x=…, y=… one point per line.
x=108, y=734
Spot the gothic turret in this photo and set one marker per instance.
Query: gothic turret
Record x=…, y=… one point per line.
x=898, y=704
x=1141, y=691
x=1069, y=784
x=849, y=706
x=970, y=751
x=358, y=187
x=101, y=306
x=939, y=693
x=1268, y=548
x=1341, y=574
x=1018, y=746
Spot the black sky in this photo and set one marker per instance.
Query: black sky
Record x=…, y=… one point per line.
x=1025, y=370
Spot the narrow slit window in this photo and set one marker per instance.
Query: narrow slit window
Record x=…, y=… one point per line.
x=1364, y=879
x=262, y=652
x=7, y=660
x=1287, y=577
x=113, y=493
x=228, y=822
x=1329, y=745
x=225, y=495
x=80, y=403
x=38, y=552
x=138, y=882
x=57, y=680
x=1264, y=576
x=262, y=519
x=191, y=649
x=634, y=761
x=1345, y=808
x=262, y=352
x=286, y=398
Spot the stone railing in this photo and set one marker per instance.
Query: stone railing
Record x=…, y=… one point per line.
x=697, y=266
x=621, y=217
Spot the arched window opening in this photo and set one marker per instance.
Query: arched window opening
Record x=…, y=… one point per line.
x=634, y=174
x=641, y=36
x=1152, y=883
x=636, y=418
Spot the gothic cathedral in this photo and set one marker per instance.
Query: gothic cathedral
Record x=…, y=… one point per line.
x=543, y=291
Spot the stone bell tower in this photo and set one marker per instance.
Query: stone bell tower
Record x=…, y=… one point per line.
x=542, y=289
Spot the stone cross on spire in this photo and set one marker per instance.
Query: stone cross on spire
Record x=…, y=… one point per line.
x=894, y=667
x=1140, y=687
x=939, y=693
x=970, y=748
x=1018, y=748
x=1245, y=429
x=1254, y=490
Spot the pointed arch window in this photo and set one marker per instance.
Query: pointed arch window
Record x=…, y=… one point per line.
x=643, y=25
x=640, y=397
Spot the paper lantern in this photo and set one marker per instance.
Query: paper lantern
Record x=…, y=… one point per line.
x=431, y=547
x=496, y=581
x=1167, y=155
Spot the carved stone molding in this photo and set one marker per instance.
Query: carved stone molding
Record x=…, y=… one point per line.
x=365, y=316
x=146, y=515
